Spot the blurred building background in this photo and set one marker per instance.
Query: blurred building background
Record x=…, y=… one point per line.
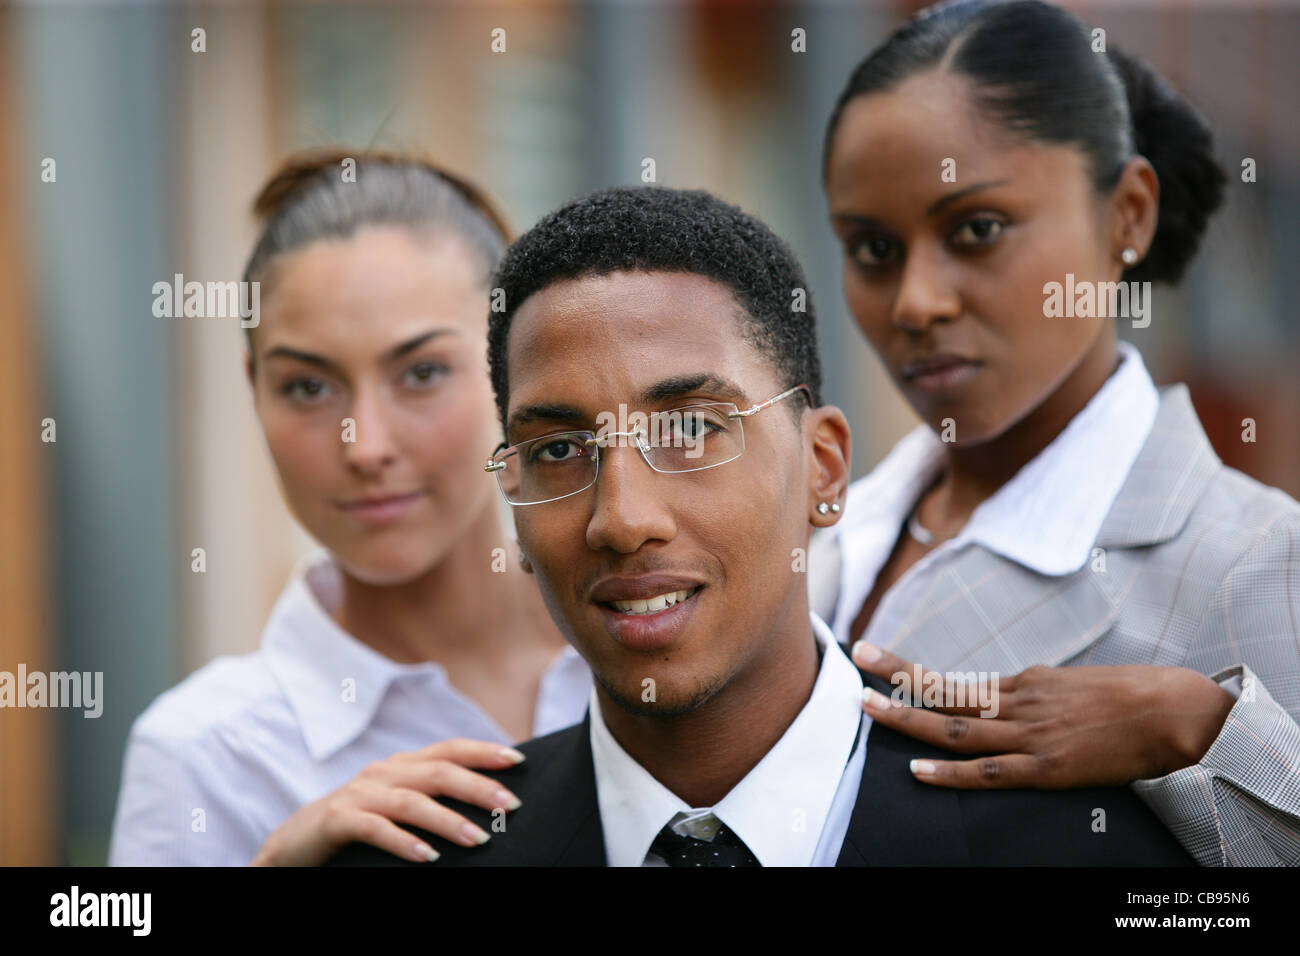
x=160, y=149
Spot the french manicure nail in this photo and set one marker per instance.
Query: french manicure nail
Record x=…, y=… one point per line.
x=922, y=767
x=866, y=653
x=511, y=754
x=504, y=798
x=474, y=834
x=426, y=852
x=874, y=699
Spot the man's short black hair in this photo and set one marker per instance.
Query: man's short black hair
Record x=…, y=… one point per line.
x=655, y=229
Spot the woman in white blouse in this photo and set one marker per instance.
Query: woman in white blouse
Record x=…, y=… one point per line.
x=415, y=623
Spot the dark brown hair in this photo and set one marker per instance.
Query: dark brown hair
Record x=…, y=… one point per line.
x=307, y=199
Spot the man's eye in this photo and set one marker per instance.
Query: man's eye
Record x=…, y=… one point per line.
x=305, y=390
x=424, y=374
x=871, y=251
x=561, y=449
x=978, y=231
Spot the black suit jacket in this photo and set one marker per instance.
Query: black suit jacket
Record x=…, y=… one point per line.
x=895, y=822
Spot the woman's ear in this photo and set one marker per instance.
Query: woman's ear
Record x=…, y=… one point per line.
x=1135, y=201
x=830, y=464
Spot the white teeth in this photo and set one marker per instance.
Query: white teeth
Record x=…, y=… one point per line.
x=656, y=603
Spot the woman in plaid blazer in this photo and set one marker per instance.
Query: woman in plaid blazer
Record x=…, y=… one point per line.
x=1005, y=188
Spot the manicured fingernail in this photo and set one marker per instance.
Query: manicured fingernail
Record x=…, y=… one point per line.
x=426, y=852
x=874, y=699
x=865, y=653
x=922, y=767
x=504, y=798
x=511, y=754
x=474, y=834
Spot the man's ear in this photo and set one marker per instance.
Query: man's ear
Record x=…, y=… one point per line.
x=830, y=465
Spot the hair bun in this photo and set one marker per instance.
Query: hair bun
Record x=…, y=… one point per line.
x=1176, y=140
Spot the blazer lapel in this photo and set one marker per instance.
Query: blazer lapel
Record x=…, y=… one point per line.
x=988, y=613
x=565, y=826
x=1169, y=477
x=896, y=820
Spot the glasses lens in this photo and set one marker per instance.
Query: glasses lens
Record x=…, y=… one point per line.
x=695, y=437
x=545, y=468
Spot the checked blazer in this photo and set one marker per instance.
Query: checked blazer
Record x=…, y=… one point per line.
x=1201, y=570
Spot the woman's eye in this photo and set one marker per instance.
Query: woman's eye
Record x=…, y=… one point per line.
x=978, y=231
x=424, y=374
x=872, y=251
x=306, y=390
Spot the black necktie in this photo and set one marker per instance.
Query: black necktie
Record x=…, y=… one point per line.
x=725, y=849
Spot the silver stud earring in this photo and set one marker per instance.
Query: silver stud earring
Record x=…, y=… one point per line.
x=823, y=508
x=1129, y=255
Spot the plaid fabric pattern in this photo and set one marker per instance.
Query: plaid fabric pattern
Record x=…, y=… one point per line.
x=1198, y=567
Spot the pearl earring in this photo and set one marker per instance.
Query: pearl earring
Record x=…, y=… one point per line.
x=835, y=507
x=1129, y=255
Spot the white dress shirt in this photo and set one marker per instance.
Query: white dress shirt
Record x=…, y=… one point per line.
x=1045, y=518
x=791, y=809
x=222, y=759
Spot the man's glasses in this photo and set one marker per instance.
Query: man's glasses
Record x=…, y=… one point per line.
x=690, y=438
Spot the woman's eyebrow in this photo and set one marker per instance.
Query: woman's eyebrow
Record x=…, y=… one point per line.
x=942, y=201
x=411, y=344
x=284, y=351
x=397, y=351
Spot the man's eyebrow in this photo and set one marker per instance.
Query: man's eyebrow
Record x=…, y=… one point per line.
x=707, y=382
x=664, y=390
x=397, y=351
x=938, y=205
x=545, y=412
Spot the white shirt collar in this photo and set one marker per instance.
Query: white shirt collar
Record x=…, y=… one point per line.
x=780, y=806
x=334, y=682
x=1046, y=518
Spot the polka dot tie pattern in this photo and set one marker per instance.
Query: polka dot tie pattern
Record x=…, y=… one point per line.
x=725, y=849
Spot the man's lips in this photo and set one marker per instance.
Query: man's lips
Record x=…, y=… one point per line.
x=640, y=588
x=649, y=613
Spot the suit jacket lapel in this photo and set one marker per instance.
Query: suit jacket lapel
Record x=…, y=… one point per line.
x=1169, y=477
x=987, y=613
x=896, y=820
x=566, y=826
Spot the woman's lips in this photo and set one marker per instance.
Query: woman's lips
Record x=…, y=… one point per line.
x=941, y=375
x=380, y=511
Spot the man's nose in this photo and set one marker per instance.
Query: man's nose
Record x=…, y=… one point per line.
x=629, y=509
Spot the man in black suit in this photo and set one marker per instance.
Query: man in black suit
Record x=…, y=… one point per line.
x=668, y=456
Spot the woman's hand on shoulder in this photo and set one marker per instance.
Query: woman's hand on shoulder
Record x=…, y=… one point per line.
x=399, y=789
x=1050, y=728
